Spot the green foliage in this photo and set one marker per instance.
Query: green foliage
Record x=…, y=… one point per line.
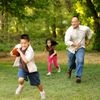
x=4, y=48
x=37, y=18
x=45, y=18
x=88, y=11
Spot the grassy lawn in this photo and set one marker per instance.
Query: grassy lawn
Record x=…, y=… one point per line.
x=57, y=86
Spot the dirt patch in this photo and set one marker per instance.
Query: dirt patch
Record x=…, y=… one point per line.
x=90, y=58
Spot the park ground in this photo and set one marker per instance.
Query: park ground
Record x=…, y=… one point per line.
x=57, y=86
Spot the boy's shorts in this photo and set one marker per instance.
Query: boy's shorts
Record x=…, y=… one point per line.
x=33, y=77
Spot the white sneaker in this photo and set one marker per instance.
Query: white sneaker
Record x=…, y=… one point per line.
x=42, y=95
x=49, y=73
x=19, y=90
x=59, y=70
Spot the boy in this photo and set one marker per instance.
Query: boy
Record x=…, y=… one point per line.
x=27, y=67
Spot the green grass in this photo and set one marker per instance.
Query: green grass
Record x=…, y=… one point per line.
x=57, y=86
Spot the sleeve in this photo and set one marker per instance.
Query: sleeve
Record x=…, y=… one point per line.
x=68, y=38
x=29, y=55
x=89, y=33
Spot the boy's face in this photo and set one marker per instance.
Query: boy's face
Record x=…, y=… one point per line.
x=24, y=43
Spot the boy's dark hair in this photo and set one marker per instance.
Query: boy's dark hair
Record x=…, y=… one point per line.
x=53, y=42
x=25, y=36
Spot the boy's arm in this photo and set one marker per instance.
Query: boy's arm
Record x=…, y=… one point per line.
x=22, y=56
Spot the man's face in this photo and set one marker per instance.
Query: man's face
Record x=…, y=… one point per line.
x=24, y=43
x=75, y=22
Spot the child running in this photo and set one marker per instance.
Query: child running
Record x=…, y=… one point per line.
x=50, y=47
x=26, y=66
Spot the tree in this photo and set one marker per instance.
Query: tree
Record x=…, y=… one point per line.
x=94, y=7
x=88, y=11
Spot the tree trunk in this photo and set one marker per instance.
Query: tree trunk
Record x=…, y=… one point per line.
x=47, y=26
x=54, y=28
x=91, y=6
x=4, y=22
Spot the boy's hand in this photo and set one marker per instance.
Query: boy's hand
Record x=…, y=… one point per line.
x=11, y=54
x=19, y=50
x=14, y=52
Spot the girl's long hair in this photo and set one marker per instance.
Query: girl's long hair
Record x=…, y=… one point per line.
x=53, y=42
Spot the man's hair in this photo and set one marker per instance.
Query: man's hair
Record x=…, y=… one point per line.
x=25, y=36
x=76, y=17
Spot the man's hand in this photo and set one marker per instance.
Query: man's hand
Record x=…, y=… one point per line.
x=87, y=42
x=76, y=45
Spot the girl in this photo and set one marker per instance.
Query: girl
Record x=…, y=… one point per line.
x=50, y=47
x=26, y=66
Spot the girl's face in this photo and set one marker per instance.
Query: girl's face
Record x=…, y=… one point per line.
x=49, y=43
x=24, y=43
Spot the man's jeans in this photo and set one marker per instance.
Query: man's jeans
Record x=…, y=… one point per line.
x=77, y=60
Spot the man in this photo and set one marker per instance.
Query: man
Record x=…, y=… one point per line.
x=75, y=40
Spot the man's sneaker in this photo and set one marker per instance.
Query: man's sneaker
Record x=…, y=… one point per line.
x=78, y=80
x=42, y=95
x=19, y=90
x=59, y=69
x=69, y=73
x=49, y=73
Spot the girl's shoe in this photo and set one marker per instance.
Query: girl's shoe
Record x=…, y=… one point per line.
x=59, y=69
x=49, y=73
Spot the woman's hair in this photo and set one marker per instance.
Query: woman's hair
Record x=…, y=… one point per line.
x=25, y=36
x=53, y=42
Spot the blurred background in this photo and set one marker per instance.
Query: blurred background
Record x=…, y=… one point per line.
x=46, y=18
